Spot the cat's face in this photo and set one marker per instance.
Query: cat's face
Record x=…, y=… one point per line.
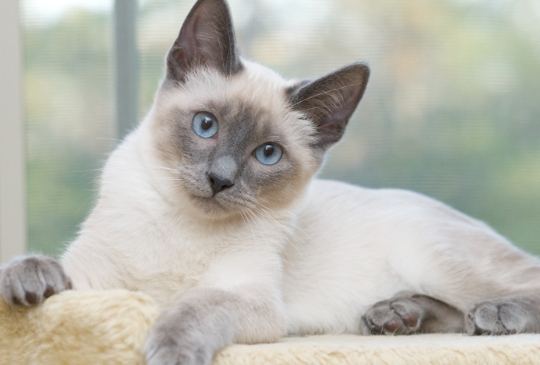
x=235, y=136
x=240, y=132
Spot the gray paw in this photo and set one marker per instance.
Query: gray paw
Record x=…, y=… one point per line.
x=30, y=280
x=502, y=317
x=173, y=344
x=397, y=316
x=173, y=353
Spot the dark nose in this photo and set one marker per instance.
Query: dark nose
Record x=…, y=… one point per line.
x=219, y=183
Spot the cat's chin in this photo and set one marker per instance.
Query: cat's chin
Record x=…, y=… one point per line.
x=215, y=207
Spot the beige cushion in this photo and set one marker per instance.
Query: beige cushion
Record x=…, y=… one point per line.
x=109, y=327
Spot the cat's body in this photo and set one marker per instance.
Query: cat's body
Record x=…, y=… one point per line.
x=380, y=243
x=339, y=251
x=333, y=255
x=211, y=208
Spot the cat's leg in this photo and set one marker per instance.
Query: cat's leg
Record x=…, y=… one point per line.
x=504, y=316
x=408, y=313
x=32, y=279
x=206, y=320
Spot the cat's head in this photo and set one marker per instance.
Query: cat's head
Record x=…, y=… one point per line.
x=235, y=135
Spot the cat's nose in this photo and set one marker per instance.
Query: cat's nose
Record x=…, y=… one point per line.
x=218, y=183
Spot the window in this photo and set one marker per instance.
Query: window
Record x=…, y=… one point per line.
x=451, y=110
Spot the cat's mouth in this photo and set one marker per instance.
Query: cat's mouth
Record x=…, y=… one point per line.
x=208, y=200
x=222, y=203
x=213, y=203
x=226, y=199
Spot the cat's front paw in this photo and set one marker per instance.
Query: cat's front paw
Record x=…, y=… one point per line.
x=397, y=316
x=170, y=344
x=502, y=317
x=32, y=279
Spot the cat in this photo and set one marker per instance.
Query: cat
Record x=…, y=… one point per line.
x=211, y=207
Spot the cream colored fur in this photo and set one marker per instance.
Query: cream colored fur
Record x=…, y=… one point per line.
x=322, y=262
x=112, y=326
x=143, y=234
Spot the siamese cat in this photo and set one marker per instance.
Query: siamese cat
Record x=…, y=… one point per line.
x=211, y=207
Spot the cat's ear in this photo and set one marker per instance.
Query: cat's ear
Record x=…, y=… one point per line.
x=205, y=40
x=330, y=100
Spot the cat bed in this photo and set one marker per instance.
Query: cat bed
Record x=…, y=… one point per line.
x=109, y=327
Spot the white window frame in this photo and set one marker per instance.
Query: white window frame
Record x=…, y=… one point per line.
x=12, y=137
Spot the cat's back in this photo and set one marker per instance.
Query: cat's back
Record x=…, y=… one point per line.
x=384, y=224
x=340, y=205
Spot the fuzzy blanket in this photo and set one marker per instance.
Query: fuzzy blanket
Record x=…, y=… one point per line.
x=89, y=328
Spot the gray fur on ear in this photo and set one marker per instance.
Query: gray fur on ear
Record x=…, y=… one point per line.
x=330, y=101
x=205, y=40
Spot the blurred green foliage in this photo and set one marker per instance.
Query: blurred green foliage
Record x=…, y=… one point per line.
x=452, y=109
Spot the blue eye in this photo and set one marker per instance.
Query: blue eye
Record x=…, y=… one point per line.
x=268, y=153
x=205, y=125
